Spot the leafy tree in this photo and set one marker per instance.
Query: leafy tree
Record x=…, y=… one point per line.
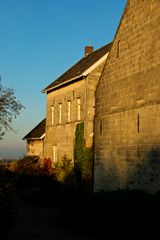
x=9, y=109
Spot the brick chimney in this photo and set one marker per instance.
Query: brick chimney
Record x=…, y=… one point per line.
x=88, y=50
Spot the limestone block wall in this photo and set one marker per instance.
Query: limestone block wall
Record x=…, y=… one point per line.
x=35, y=148
x=61, y=136
x=127, y=123
x=92, y=81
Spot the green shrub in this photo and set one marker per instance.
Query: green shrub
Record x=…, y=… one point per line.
x=64, y=172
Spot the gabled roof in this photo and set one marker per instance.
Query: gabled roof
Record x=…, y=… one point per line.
x=38, y=132
x=80, y=68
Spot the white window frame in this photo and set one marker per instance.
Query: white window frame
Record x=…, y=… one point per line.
x=60, y=113
x=69, y=111
x=52, y=115
x=78, y=109
x=54, y=153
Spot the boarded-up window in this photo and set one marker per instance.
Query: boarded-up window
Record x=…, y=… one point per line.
x=78, y=108
x=60, y=113
x=69, y=111
x=52, y=115
x=54, y=154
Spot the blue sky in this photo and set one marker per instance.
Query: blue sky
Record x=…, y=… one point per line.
x=39, y=41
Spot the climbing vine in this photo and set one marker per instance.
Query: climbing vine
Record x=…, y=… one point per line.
x=83, y=159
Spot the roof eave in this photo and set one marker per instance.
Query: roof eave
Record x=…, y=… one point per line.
x=43, y=136
x=96, y=64
x=34, y=138
x=64, y=83
x=84, y=74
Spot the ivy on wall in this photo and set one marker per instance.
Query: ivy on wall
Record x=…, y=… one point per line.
x=83, y=159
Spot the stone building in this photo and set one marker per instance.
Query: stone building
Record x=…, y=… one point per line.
x=35, y=140
x=70, y=100
x=127, y=118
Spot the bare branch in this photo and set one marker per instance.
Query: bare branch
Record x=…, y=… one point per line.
x=9, y=109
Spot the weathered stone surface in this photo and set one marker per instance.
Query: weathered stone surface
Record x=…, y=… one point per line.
x=35, y=147
x=127, y=122
x=62, y=135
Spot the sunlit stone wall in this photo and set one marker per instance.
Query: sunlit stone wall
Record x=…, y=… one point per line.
x=127, y=123
x=61, y=135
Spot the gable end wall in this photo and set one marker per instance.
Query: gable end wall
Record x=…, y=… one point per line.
x=127, y=123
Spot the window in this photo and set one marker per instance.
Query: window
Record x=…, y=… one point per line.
x=54, y=154
x=60, y=113
x=68, y=111
x=52, y=115
x=78, y=108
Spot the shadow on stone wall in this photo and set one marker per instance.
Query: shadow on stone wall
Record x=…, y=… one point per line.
x=131, y=168
x=146, y=174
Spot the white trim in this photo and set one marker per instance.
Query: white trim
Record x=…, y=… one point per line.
x=70, y=80
x=40, y=138
x=84, y=74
